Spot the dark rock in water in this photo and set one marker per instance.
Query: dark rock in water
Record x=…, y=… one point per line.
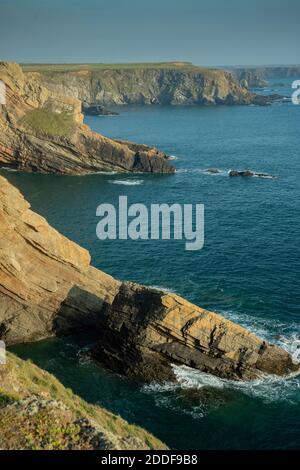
x=213, y=170
x=262, y=100
x=240, y=173
x=249, y=173
x=97, y=110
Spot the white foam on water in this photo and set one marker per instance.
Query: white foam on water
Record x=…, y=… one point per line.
x=172, y=157
x=268, y=388
x=8, y=169
x=84, y=356
x=127, y=182
x=282, y=333
x=101, y=173
x=203, y=171
x=164, y=289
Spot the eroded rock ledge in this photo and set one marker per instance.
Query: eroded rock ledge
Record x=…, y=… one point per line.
x=144, y=330
x=43, y=131
x=48, y=287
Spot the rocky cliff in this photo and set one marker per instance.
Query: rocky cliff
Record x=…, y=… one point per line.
x=41, y=130
x=48, y=287
x=38, y=413
x=257, y=76
x=177, y=84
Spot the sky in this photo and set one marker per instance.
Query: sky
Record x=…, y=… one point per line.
x=214, y=32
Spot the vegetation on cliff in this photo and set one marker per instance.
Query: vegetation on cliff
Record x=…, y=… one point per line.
x=45, y=121
x=38, y=413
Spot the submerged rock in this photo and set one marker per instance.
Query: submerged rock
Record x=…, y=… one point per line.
x=48, y=287
x=42, y=131
x=97, y=110
x=213, y=171
x=249, y=173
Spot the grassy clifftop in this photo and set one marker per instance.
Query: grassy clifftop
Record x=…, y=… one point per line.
x=45, y=121
x=179, y=66
x=37, y=412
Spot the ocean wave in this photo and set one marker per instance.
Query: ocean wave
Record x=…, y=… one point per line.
x=127, y=182
x=172, y=157
x=197, y=393
x=267, y=388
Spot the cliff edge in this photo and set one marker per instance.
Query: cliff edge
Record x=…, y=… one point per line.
x=43, y=131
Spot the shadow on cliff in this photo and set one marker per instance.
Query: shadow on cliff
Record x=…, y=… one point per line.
x=80, y=311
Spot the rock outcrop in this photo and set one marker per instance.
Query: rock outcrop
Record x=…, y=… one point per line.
x=249, y=173
x=97, y=110
x=38, y=413
x=145, y=330
x=48, y=287
x=43, y=131
x=257, y=76
x=174, y=83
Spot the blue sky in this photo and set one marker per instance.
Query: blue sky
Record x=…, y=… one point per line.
x=214, y=32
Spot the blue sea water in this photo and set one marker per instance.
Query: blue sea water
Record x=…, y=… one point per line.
x=248, y=269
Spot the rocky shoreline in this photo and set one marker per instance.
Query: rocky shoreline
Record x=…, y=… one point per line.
x=141, y=331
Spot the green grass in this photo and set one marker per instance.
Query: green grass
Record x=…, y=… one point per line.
x=44, y=121
x=20, y=379
x=54, y=68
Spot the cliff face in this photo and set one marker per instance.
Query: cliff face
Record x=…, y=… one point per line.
x=257, y=76
x=41, y=130
x=38, y=413
x=43, y=275
x=48, y=287
x=150, y=85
